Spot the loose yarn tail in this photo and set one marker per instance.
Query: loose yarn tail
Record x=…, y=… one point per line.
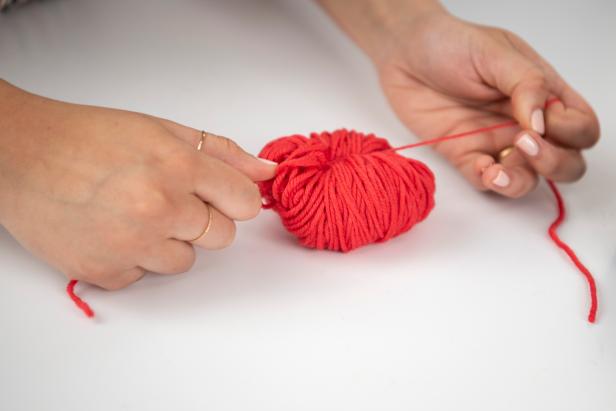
x=592, y=314
x=82, y=305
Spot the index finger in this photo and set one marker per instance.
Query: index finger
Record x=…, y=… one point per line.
x=224, y=149
x=226, y=188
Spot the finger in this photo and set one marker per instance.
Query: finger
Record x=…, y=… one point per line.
x=529, y=94
x=193, y=218
x=228, y=190
x=513, y=182
x=478, y=153
x=217, y=231
x=473, y=165
x=583, y=130
x=225, y=149
x=570, y=126
x=525, y=83
x=119, y=280
x=548, y=160
x=569, y=120
x=526, y=77
x=169, y=257
x=528, y=100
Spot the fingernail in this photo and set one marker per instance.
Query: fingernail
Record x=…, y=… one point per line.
x=269, y=162
x=537, y=121
x=528, y=145
x=501, y=179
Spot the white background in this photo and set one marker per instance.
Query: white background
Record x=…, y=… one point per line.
x=474, y=309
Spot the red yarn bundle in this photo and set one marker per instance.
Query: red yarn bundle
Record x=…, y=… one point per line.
x=342, y=190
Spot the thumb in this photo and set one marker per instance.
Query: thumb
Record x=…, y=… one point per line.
x=527, y=85
x=224, y=149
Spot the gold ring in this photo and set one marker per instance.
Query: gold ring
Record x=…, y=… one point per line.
x=207, y=226
x=201, y=140
x=505, y=152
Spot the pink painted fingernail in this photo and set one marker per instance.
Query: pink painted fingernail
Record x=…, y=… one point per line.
x=501, y=180
x=528, y=145
x=537, y=121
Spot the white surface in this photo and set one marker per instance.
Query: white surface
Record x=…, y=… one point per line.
x=473, y=310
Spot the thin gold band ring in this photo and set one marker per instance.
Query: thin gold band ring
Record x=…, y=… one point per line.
x=207, y=226
x=201, y=140
x=209, y=208
x=505, y=152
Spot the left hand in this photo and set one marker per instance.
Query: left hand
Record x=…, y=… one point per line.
x=443, y=75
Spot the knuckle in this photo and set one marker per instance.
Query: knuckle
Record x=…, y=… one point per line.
x=180, y=161
x=151, y=205
x=536, y=77
x=230, y=145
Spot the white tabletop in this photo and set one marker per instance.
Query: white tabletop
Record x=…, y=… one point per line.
x=474, y=309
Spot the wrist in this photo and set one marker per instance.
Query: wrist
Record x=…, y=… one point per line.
x=379, y=26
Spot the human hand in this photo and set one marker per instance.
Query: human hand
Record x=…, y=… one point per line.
x=451, y=76
x=443, y=76
x=104, y=195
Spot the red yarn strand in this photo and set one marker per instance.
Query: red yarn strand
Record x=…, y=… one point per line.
x=574, y=258
x=458, y=135
x=82, y=305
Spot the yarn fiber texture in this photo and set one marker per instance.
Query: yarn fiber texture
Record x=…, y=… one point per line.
x=343, y=190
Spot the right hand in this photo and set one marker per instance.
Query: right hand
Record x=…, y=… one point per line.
x=104, y=195
x=443, y=76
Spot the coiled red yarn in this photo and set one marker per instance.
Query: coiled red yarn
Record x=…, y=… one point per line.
x=342, y=190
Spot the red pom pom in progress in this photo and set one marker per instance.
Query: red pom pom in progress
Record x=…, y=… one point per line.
x=342, y=190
